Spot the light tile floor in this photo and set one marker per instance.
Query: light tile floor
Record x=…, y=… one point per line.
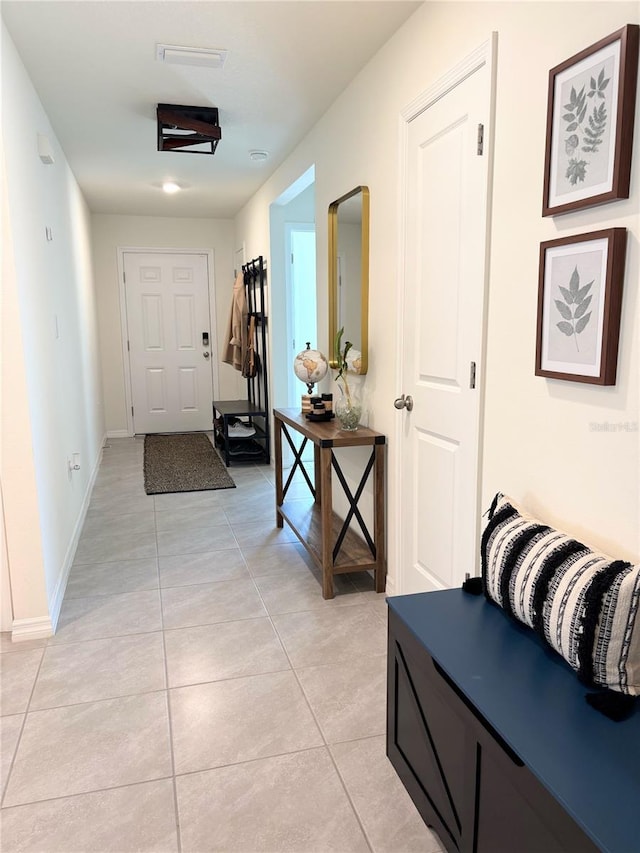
x=199, y=694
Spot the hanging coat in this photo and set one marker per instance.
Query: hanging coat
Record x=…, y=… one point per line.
x=237, y=335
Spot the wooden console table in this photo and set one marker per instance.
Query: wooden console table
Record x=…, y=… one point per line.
x=329, y=540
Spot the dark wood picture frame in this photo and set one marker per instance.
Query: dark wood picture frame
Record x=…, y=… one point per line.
x=582, y=100
x=580, y=281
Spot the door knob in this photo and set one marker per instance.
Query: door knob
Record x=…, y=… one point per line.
x=404, y=402
x=205, y=354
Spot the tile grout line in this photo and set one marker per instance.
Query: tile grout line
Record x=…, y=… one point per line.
x=89, y=793
x=348, y=795
x=29, y=710
x=174, y=776
x=24, y=722
x=75, y=704
x=244, y=761
x=168, y=698
x=322, y=735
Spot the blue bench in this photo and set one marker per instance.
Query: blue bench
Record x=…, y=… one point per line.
x=489, y=730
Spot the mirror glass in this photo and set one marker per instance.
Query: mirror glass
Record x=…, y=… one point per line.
x=349, y=272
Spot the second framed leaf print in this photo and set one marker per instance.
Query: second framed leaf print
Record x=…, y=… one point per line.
x=579, y=304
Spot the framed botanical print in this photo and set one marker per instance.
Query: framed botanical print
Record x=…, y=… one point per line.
x=579, y=304
x=590, y=118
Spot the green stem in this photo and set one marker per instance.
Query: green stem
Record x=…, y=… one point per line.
x=346, y=389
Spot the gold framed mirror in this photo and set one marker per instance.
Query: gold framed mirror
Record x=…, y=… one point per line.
x=349, y=273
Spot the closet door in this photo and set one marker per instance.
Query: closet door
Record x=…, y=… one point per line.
x=446, y=191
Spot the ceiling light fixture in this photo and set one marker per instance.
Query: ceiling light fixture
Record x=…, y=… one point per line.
x=171, y=187
x=258, y=155
x=203, y=57
x=192, y=130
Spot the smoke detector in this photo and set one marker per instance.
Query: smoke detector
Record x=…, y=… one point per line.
x=258, y=155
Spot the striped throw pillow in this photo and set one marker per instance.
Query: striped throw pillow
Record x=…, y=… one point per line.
x=583, y=604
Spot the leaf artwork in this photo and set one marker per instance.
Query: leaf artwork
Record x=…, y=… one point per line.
x=587, y=137
x=576, y=171
x=574, y=320
x=594, y=131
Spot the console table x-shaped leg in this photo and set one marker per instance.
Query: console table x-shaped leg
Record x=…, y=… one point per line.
x=335, y=547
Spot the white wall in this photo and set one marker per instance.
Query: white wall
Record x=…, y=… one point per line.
x=23, y=566
x=52, y=397
x=299, y=209
x=538, y=443
x=111, y=232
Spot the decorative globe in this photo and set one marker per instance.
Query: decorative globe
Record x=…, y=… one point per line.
x=310, y=366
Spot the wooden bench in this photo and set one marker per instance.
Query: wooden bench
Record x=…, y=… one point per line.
x=491, y=735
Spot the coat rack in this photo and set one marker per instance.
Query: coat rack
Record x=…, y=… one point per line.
x=254, y=411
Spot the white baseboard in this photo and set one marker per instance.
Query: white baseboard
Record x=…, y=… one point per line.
x=37, y=628
x=118, y=433
x=391, y=585
x=61, y=586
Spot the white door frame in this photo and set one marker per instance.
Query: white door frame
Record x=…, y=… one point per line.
x=485, y=54
x=213, y=335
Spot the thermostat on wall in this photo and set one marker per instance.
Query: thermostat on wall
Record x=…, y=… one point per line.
x=45, y=152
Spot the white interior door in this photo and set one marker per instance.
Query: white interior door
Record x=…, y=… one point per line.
x=445, y=245
x=170, y=342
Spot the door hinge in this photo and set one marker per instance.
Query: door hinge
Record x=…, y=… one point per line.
x=292, y=258
x=131, y=411
x=128, y=347
x=124, y=277
x=480, y=140
x=472, y=375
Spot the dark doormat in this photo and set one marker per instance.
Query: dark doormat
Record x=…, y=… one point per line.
x=182, y=462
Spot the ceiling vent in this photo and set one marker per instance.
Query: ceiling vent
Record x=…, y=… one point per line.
x=203, y=57
x=189, y=130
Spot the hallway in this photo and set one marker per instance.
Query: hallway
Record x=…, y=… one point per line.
x=199, y=693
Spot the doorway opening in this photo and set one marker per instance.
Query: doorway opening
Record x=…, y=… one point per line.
x=302, y=310
x=293, y=285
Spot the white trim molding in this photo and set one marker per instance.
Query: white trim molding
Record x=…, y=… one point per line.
x=213, y=335
x=61, y=586
x=36, y=628
x=485, y=54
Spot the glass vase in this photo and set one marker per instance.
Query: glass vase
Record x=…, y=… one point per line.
x=348, y=406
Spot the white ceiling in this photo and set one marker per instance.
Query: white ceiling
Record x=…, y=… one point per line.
x=94, y=66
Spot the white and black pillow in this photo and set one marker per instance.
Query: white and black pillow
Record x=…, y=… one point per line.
x=584, y=604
